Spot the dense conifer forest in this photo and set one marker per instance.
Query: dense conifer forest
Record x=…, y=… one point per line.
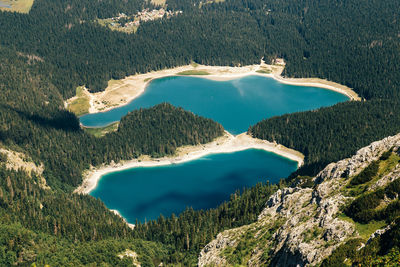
x=46, y=54
x=330, y=134
x=41, y=226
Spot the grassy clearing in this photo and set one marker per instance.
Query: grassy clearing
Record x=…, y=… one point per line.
x=20, y=6
x=194, y=64
x=81, y=104
x=385, y=167
x=158, y=2
x=264, y=71
x=356, y=191
x=112, y=25
x=211, y=2
x=194, y=72
x=100, y=132
x=364, y=230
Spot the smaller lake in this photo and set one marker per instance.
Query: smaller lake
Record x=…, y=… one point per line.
x=144, y=193
x=236, y=104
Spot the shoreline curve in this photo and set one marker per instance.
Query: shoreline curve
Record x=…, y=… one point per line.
x=227, y=143
x=122, y=92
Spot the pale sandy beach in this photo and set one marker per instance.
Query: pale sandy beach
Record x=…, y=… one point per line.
x=130, y=225
x=320, y=83
x=225, y=144
x=123, y=91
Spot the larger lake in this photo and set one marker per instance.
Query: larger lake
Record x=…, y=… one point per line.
x=236, y=104
x=146, y=192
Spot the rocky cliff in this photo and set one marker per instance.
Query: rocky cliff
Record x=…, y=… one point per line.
x=301, y=225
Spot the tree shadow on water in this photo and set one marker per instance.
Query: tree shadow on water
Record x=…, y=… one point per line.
x=199, y=200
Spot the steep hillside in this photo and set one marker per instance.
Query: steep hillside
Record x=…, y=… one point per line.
x=43, y=152
x=307, y=222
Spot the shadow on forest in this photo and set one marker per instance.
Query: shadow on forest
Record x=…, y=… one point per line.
x=60, y=119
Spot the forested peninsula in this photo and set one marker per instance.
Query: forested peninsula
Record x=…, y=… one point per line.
x=56, y=47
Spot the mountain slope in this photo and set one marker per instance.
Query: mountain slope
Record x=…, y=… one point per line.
x=303, y=224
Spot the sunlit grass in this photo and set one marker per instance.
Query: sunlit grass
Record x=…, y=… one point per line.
x=364, y=230
x=194, y=72
x=21, y=6
x=81, y=104
x=100, y=132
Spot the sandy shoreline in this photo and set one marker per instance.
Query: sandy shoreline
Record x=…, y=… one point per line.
x=320, y=83
x=130, y=225
x=123, y=91
x=228, y=143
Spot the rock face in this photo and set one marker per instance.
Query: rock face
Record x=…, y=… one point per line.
x=19, y=161
x=220, y=242
x=300, y=226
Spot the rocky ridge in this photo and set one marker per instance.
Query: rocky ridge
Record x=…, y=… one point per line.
x=300, y=226
x=19, y=161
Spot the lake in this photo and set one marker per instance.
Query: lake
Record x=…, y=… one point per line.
x=144, y=193
x=236, y=104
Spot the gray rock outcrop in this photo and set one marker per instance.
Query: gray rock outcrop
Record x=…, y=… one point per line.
x=304, y=221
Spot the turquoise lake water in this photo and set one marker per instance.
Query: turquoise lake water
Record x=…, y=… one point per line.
x=146, y=192
x=236, y=104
